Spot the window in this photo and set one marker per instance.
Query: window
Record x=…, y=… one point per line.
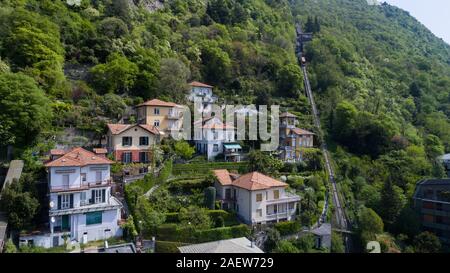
x=65, y=201
x=276, y=194
x=143, y=141
x=143, y=157
x=98, y=196
x=127, y=141
x=259, y=197
x=259, y=212
x=98, y=176
x=65, y=181
x=428, y=218
x=94, y=218
x=83, y=177
x=228, y=194
x=291, y=206
x=428, y=205
x=156, y=111
x=215, y=134
x=83, y=198
x=126, y=157
x=156, y=123
x=216, y=148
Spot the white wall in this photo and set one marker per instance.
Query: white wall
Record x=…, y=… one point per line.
x=56, y=178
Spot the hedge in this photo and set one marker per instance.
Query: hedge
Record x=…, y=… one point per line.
x=174, y=233
x=187, y=185
x=288, y=227
x=205, y=167
x=228, y=217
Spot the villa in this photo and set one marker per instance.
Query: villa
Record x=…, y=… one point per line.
x=292, y=139
x=165, y=116
x=255, y=197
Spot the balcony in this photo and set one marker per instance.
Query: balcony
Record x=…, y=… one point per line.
x=111, y=204
x=84, y=186
x=176, y=115
x=287, y=198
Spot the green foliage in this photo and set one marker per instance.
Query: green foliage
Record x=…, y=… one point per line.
x=184, y=150
x=25, y=110
x=172, y=79
x=305, y=243
x=264, y=163
x=205, y=167
x=427, y=242
x=117, y=75
x=10, y=247
x=272, y=240
x=147, y=218
x=194, y=217
x=337, y=243
x=286, y=247
x=129, y=228
x=290, y=81
x=210, y=197
x=168, y=247
x=288, y=227
x=369, y=224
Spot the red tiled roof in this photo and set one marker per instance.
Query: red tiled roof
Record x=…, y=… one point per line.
x=199, y=84
x=250, y=181
x=156, y=102
x=100, y=151
x=57, y=152
x=223, y=176
x=257, y=181
x=299, y=131
x=120, y=128
x=78, y=157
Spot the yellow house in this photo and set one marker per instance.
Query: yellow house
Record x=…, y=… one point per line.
x=293, y=139
x=165, y=116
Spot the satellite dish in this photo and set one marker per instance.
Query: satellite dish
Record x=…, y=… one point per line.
x=52, y=204
x=52, y=219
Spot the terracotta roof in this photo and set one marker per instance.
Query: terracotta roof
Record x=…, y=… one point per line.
x=257, y=181
x=120, y=128
x=156, y=102
x=223, y=176
x=199, y=84
x=78, y=157
x=100, y=151
x=250, y=181
x=299, y=131
x=287, y=115
x=57, y=152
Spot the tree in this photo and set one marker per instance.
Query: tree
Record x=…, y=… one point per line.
x=408, y=223
x=210, y=198
x=305, y=243
x=173, y=77
x=392, y=201
x=427, y=242
x=112, y=28
x=264, y=163
x=113, y=106
x=25, y=110
x=272, y=239
x=118, y=75
x=10, y=247
x=133, y=193
x=285, y=246
x=20, y=206
x=4, y=67
x=147, y=218
x=290, y=81
x=216, y=63
x=369, y=224
x=337, y=244
x=183, y=149
x=129, y=228
x=194, y=217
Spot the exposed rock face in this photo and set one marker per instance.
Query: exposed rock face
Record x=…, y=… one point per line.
x=150, y=5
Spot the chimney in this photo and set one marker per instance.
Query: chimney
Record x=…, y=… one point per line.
x=101, y=152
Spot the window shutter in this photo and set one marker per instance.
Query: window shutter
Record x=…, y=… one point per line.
x=59, y=201
x=92, y=196
x=71, y=201
x=103, y=196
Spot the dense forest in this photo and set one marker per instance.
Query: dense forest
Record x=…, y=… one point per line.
x=382, y=80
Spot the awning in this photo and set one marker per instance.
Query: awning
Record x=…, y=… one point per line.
x=232, y=146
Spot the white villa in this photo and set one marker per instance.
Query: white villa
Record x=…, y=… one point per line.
x=203, y=93
x=82, y=208
x=216, y=137
x=256, y=198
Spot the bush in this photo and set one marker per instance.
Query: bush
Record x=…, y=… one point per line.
x=287, y=228
x=229, y=218
x=205, y=167
x=176, y=233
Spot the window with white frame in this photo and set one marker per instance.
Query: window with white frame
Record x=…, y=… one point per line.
x=83, y=177
x=98, y=196
x=65, y=201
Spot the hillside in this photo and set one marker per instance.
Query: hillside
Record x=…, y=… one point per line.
x=382, y=80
